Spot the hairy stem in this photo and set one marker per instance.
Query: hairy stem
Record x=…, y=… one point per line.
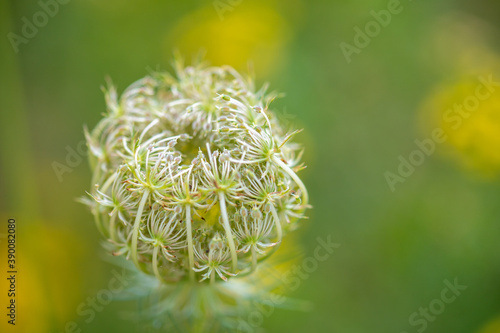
x=155, y=264
x=254, y=258
x=112, y=233
x=227, y=228
x=212, y=277
x=135, y=232
x=109, y=182
x=98, y=221
x=190, y=242
x=296, y=179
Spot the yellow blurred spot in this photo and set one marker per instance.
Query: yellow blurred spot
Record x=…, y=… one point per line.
x=48, y=280
x=251, y=32
x=470, y=120
x=32, y=310
x=491, y=327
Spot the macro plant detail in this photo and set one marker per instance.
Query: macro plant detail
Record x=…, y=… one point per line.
x=194, y=176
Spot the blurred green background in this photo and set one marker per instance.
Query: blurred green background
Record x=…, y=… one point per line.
x=397, y=247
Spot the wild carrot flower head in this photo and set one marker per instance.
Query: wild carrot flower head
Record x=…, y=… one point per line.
x=195, y=177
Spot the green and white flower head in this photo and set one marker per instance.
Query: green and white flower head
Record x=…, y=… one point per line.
x=194, y=177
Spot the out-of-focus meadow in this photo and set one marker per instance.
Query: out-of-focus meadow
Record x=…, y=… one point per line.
x=402, y=137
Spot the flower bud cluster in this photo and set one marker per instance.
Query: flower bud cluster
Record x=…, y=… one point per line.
x=194, y=175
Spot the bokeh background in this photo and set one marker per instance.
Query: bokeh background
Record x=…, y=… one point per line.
x=360, y=116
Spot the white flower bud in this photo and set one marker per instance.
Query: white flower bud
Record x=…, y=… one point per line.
x=255, y=213
x=183, y=160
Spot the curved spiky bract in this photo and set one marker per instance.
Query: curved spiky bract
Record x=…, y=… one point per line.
x=195, y=177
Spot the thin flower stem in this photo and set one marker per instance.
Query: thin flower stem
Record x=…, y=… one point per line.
x=155, y=264
x=293, y=175
x=112, y=231
x=98, y=221
x=190, y=242
x=108, y=182
x=254, y=258
x=135, y=232
x=212, y=277
x=227, y=228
